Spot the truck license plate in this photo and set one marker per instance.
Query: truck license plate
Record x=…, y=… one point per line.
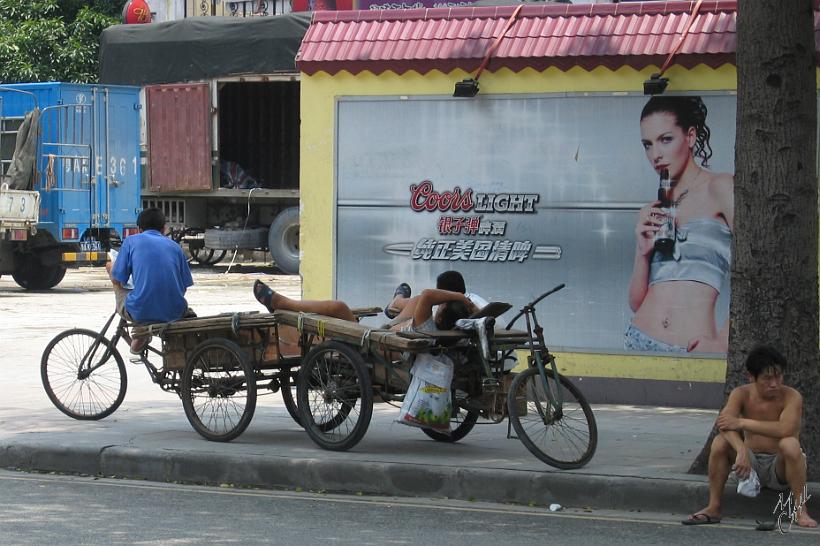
x=90, y=246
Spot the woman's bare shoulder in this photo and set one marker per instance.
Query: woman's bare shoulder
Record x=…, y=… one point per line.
x=722, y=192
x=722, y=183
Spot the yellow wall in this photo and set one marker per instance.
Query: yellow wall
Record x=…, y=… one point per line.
x=318, y=93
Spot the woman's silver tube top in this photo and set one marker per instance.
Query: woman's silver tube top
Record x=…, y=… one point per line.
x=703, y=253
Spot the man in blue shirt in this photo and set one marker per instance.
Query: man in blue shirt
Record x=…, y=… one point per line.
x=158, y=270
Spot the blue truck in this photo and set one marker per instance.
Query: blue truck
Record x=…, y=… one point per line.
x=69, y=177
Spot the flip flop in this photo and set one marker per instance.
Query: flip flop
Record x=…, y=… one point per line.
x=700, y=519
x=765, y=525
x=402, y=290
x=263, y=294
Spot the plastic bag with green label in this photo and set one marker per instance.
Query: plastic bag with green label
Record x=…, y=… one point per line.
x=427, y=403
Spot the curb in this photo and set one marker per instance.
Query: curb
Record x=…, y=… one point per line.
x=673, y=495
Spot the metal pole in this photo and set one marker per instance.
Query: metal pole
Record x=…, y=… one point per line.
x=107, y=157
x=94, y=180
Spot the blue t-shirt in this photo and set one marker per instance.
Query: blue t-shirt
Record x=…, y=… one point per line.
x=160, y=274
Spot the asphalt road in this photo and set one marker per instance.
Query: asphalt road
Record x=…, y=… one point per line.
x=53, y=509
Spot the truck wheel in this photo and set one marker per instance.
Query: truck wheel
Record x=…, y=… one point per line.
x=207, y=256
x=283, y=240
x=234, y=238
x=59, y=273
x=32, y=275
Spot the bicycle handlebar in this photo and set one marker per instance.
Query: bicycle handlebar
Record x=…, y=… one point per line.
x=532, y=304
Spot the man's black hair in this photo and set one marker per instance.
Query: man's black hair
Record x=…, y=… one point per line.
x=151, y=218
x=452, y=281
x=450, y=313
x=763, y=357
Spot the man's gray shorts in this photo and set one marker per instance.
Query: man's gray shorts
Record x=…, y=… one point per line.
x=765, y=464
x=120, y=294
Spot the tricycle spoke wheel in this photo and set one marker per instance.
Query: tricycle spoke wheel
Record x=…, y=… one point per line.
x=287, y=384
x=334, y=396
x=71, y=387
x=218, y=390
x=564, y=439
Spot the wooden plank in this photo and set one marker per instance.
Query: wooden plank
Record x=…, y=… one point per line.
x=220, y=322
x=351, y=332
x=440, y=334
x=366, y=311
x=499, y=335
x=511, y=336
x=333, y=328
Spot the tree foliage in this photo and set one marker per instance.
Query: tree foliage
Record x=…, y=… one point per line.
x=53, y=40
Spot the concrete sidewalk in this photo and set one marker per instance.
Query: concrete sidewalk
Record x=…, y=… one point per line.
x=640, y=464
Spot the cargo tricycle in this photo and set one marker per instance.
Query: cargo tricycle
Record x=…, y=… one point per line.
x=331, y=377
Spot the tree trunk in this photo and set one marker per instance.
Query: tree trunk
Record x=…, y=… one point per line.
x=774, y=251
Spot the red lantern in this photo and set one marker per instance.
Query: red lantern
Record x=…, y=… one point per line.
x=136, y=11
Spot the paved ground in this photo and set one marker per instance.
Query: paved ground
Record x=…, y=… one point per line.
x=640, y=464
x=117, y=511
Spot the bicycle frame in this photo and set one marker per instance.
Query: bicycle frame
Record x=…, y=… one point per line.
x=86, y=369
x=537, y=354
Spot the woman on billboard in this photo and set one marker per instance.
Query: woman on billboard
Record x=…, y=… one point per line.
x=683, y=239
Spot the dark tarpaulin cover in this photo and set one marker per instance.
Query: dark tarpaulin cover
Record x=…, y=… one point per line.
x=200, y=48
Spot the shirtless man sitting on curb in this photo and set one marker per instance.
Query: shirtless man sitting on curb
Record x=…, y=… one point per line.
x=760, y=431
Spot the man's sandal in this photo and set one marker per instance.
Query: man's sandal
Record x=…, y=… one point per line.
x=402, y=290
x=700, y=519
x=765, y=525
x=263, y=294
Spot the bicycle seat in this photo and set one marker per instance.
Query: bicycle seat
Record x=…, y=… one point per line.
x=493, y=309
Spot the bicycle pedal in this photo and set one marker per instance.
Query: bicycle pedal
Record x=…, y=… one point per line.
x=136, y=359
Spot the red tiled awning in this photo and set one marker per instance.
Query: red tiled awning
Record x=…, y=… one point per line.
x=560, y=35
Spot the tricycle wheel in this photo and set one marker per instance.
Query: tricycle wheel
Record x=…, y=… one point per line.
x=565, y=439
x=70, y=387
x=218, y=390
x=334, y=396
x=287, y=384
x=289, y=397
x=461, y=423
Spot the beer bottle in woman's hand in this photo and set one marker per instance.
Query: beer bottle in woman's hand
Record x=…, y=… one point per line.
x=665, y=236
